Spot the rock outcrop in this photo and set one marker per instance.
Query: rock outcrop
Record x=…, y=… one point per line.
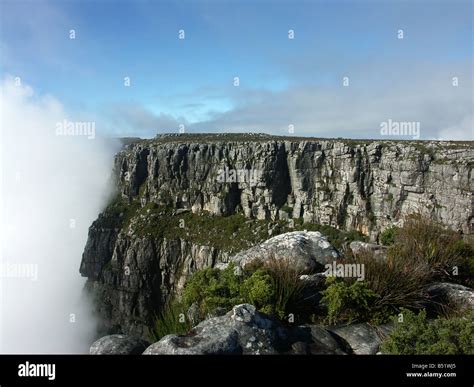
x=241, y=331
x=363, y=339
x=307, y=251
x=454, y=294
x=245, y=331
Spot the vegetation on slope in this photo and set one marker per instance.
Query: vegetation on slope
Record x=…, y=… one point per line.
x=422, y=252
x=231, y=233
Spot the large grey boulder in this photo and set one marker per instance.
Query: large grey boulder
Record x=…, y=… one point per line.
x=307, y=251
x=118, y=345
x=457, y=295
x=241, y=331
x=363, y=339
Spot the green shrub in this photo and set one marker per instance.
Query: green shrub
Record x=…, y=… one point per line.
x=418, y=336
x=273, y=286
x=258, y=290
x=172, y=319
x=387, y=237
x=212, y=289
x=348, y=302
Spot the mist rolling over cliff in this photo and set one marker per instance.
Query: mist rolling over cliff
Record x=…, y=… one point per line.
x=52, y=188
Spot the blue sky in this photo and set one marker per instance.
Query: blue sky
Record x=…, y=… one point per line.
x=282, y=81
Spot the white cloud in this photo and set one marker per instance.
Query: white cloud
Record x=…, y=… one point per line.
x=424, y=95
x=355, y=111
x=47, y=181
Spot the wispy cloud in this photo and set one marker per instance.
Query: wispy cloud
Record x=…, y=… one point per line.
x=427, y=96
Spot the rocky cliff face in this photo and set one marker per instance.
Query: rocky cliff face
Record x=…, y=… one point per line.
x=188, y=202
x=366, y=185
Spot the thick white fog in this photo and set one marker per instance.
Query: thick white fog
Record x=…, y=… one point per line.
x=53, y=187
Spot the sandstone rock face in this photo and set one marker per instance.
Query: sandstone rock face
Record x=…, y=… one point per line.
x=307, y=251
x=362, y=185
x=118, y=345
x=140, y=276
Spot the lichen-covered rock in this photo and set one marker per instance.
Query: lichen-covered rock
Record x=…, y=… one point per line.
x=241, y=331
x=363, y=339
x=455, y=294
x=118, y=345
x=306, y=250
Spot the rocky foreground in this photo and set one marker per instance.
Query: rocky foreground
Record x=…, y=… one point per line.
x=245, y=331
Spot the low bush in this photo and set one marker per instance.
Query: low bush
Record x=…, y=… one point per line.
x=423, y=242
x=422, y=252
x=416, y=335
x=212, y=289
x=273, y=286
x=348, y=302
x=259, y=291
x=387, y=237
x=398, y=281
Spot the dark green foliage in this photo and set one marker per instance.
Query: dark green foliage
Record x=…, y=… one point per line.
x=212, y=289
x=387, y=237
x=423, y=252
x=273, y=287
x=398, y=281
x=259, y=291
x=348, y=302
x=287, y=209
x=416, y=335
